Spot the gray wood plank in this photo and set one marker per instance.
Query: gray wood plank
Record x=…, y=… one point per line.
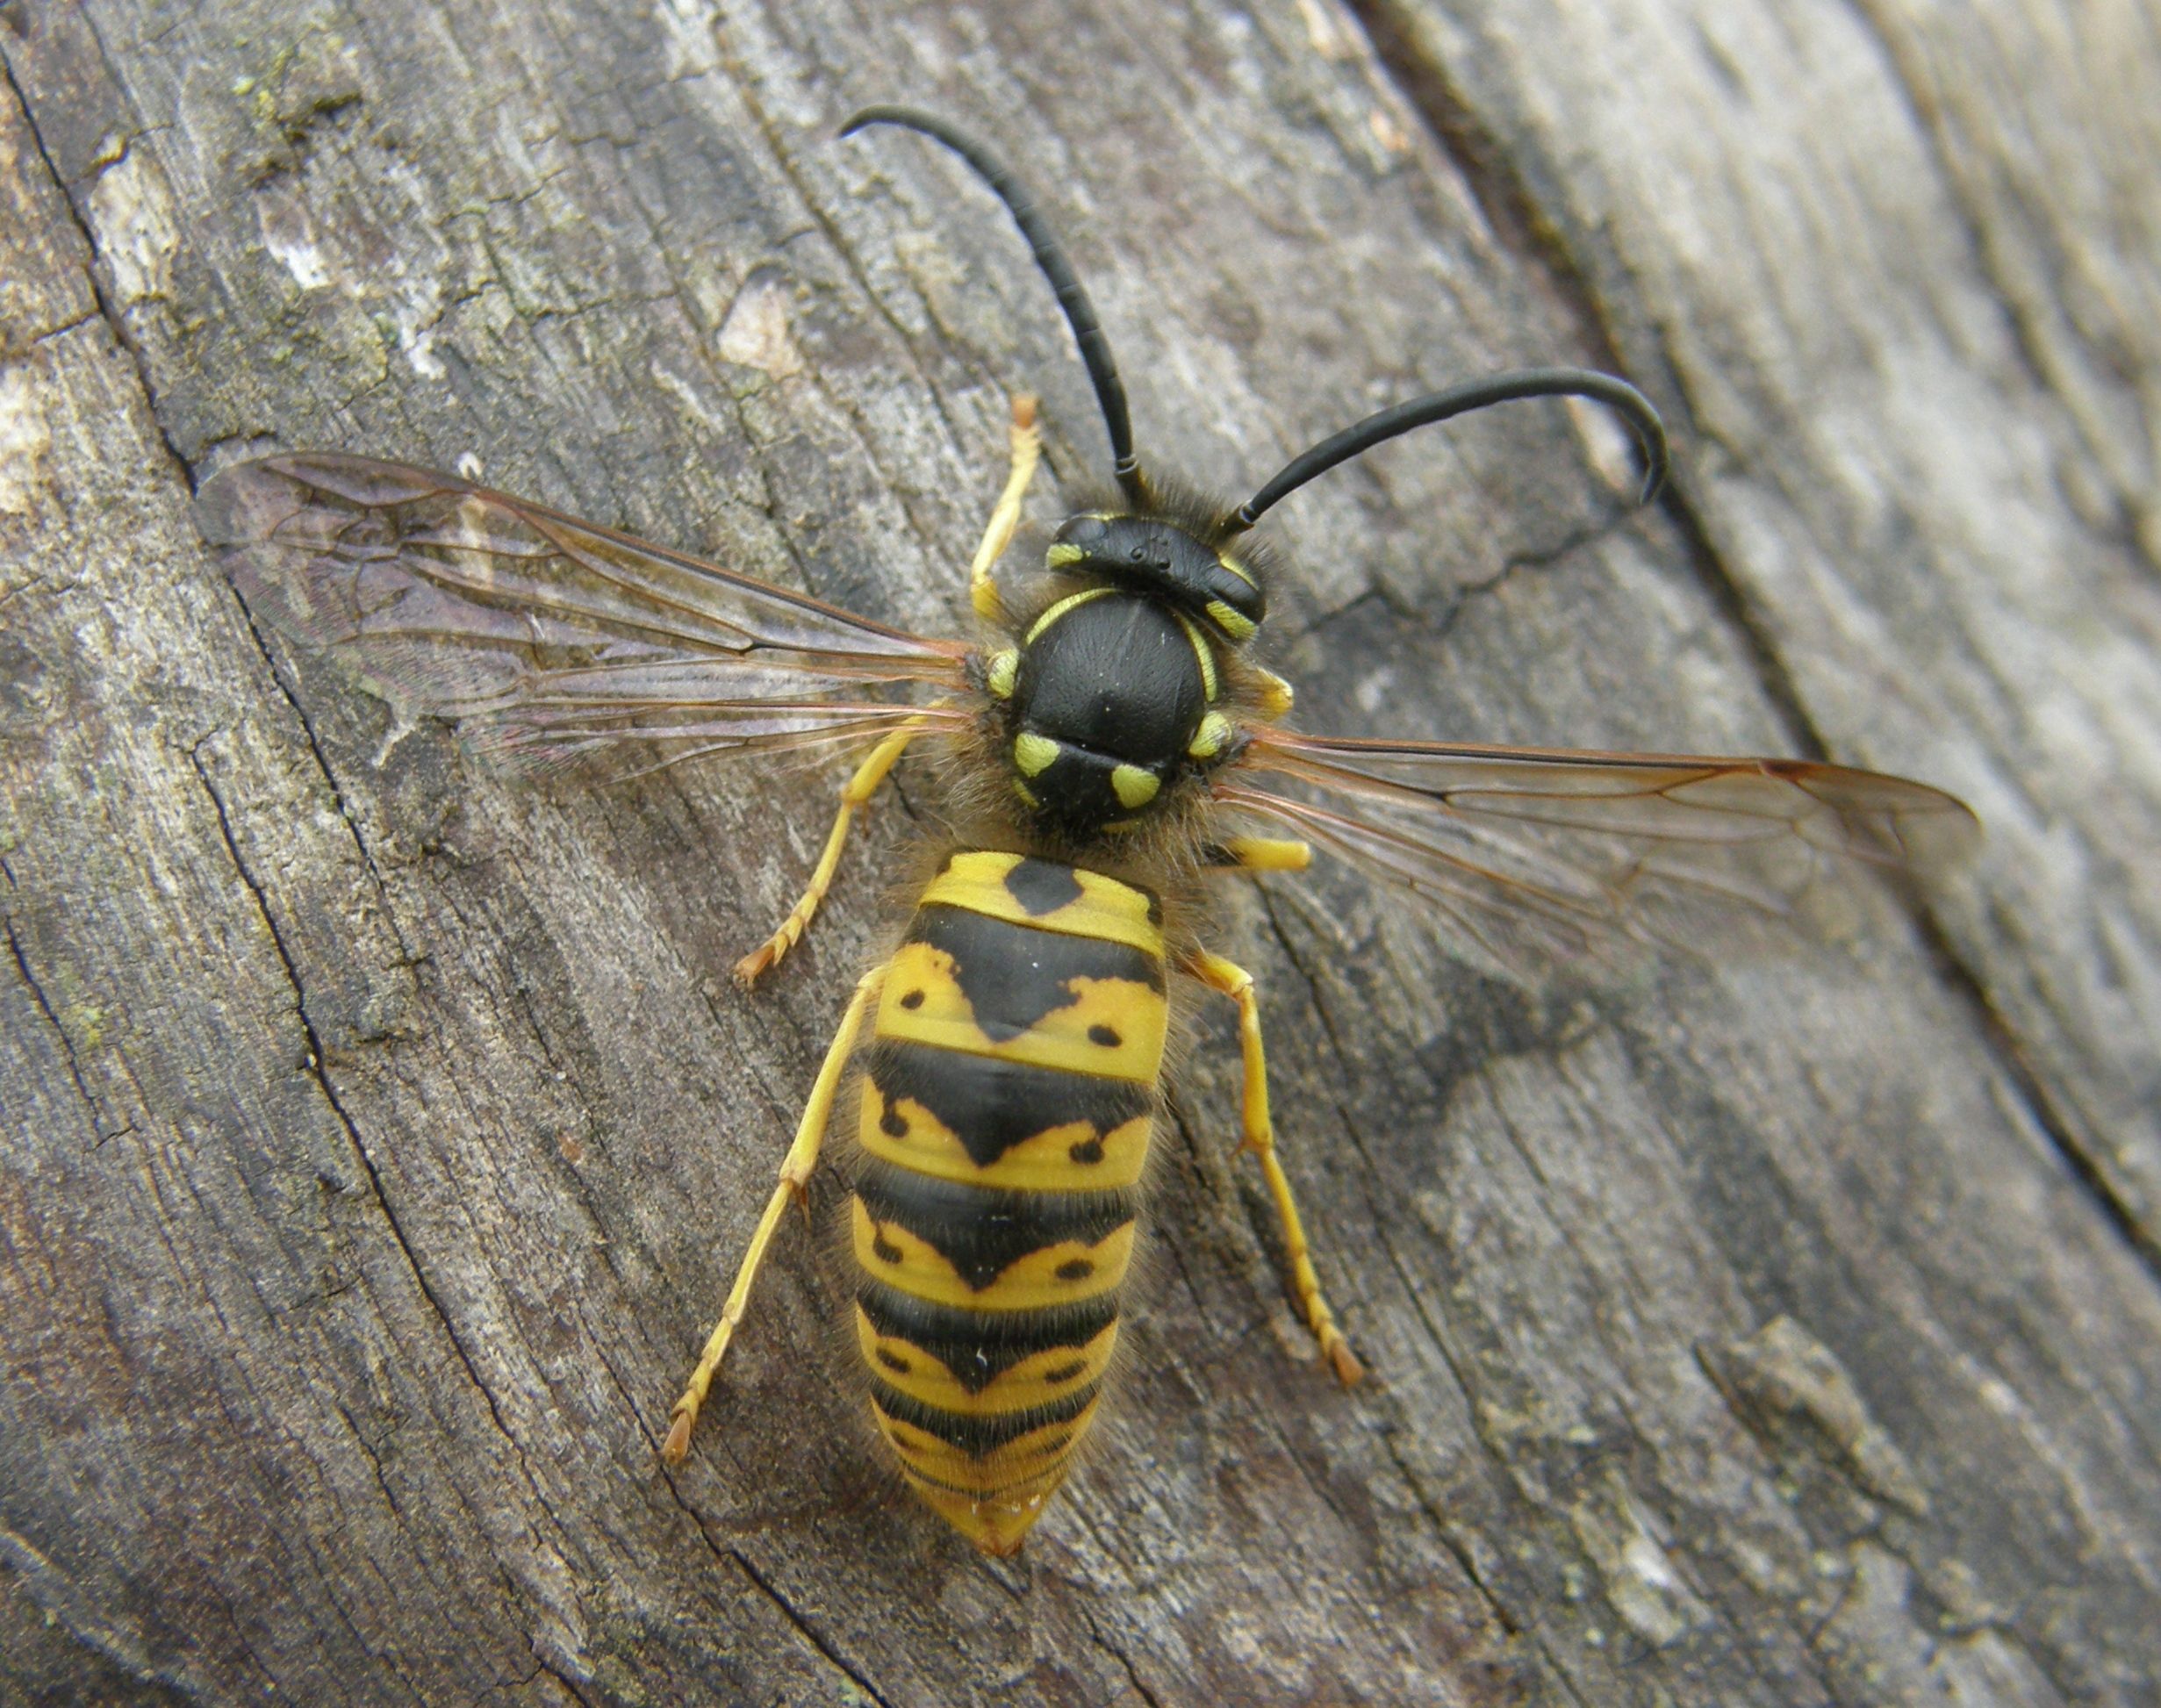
x=381, y=1137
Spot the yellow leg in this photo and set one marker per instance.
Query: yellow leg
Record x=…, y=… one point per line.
x=795, y=1171
x=872, y=772
x=1027, y=448
x=1253, y=854
x=1237, y=984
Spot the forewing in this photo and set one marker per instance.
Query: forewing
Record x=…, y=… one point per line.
x=549, y=639
x=1541, y=854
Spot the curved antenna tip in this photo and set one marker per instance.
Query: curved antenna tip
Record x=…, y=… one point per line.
x=1651, y=439
x=878, y=112
x=1617, y=394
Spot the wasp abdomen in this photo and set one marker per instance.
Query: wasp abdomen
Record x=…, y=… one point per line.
x=1007, y=1100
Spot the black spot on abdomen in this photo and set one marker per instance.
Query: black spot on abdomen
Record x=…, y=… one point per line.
x=980, y=1346
x=978, y=1434
x=1012, y=975
x=983, y=1231
x=991, y=1105
x=1042, y=887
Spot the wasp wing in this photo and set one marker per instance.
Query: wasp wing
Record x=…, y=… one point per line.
x=550, y=640
x=1538, y=855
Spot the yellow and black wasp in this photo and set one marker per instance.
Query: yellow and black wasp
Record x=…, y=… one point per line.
x=1109, y=745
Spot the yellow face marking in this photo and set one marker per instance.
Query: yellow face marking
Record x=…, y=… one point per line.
x=1208, y=740
x=1236, y=627
x=1043, y=1162
x=1235, y=569
x=1058, y=610
x=1034, y=754
x=1061, y=554
x=1134, y=787
x=1051, y=1375
x=1105, y=908
x=1000, y=674
x=1112, y=1027
x=1275, y=695
x=1055, y=1274
x=1204, y=653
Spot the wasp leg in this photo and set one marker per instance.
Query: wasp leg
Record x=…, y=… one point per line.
x=1236, y=983
x=1257, y=854
x=1027, y=450
x=795, y=1171
x=860, y=787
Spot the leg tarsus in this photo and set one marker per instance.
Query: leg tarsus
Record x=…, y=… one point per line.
x=1027, y=451
x=1026, y=448
x=1236, y=983
x=796, y=1169
x=1249, y=856
x=856, y=793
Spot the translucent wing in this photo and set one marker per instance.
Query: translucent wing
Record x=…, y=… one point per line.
x=1537, y=855
x=548, y=639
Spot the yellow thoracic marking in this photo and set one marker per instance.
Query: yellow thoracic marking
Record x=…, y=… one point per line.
x=1028, y=796
x=1032, y=753
x=999, y=673
x=890, y=1254
x=1238, y=627
x=1105, y=908
x=1062, y=553
x=1042, y=1162
x=1208, y=740
x=1068, y=603
x=1134, y=787
x=1210, y=686
x=1275, y=695
x=1112, y=1027
x=916, y=1373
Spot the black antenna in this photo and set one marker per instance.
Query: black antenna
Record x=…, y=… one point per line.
x=1087, y=332
x=1631, y=404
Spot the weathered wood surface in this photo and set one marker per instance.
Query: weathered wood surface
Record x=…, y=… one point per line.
x=379, y=1139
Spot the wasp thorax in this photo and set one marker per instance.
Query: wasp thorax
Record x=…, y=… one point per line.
x=1109, y=693
x=1149, y=552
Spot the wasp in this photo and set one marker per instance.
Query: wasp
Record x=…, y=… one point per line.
x=1111, y=744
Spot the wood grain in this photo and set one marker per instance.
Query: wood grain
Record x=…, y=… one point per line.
x=380, y=1138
